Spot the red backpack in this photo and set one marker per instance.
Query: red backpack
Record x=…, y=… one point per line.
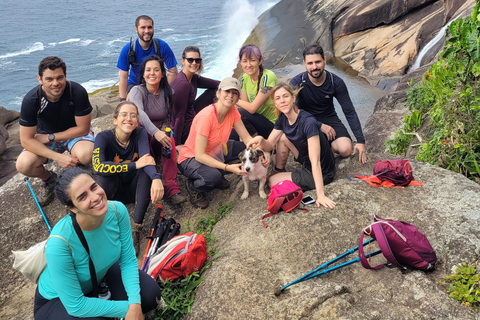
x=391, y=173
x=401, y=243
x=179, y=257
x=285, y=196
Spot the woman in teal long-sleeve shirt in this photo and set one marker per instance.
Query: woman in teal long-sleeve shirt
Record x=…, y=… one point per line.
x=65, y=284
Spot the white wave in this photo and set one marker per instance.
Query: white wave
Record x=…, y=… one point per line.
x=93, y=85
x=111, y=42
x=85, y=43
x=166, y=30
x=52, y=44
x=70, y=41
x=241, y=21
x=37, y=46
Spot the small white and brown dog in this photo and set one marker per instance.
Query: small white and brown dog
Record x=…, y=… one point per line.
x=252, y=164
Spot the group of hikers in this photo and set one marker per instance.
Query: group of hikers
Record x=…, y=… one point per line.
x=208, y=133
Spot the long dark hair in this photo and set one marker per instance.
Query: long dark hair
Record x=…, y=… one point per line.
x=164, y=85
x=250, y=50
x=64, y=181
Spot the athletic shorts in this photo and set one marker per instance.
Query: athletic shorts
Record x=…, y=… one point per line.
x=337, y=125
x=304, y=178
x=67, y=145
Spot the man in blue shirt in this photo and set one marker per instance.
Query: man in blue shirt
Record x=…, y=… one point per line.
x=134, y=53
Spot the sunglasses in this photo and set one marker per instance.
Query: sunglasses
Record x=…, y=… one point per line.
x=197, y=60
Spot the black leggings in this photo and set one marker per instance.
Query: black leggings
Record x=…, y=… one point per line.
x=130, y=187
x=53, y=309
x=255, y=124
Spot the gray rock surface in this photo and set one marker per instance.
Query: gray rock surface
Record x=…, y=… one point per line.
x=240, y=284
x=378, y=39
x=7, y=116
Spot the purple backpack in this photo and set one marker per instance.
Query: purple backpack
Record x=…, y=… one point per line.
x=401, y=243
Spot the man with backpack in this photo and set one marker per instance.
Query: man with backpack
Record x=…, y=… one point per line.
x=318, y=87
x=55, y=116
x=133, y=54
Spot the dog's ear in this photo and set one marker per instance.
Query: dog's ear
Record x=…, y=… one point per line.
x=259, y=153
x=240, y=155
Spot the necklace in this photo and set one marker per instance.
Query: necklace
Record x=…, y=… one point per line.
x=124, y=145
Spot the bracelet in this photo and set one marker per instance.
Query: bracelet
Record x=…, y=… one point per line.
x=226, y=165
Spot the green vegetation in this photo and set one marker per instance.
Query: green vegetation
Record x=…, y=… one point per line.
x=179, y=295
x=464, y=286
x=448, y=97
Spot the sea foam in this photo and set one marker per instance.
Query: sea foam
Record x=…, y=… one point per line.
x=37, y=46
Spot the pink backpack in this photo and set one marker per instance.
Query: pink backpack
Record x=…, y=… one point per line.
x=401, y=243
x=285, y=196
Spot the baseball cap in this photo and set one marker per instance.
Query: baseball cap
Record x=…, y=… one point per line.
x=230, y=83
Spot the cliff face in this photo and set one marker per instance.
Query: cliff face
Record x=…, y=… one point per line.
x=379, y=39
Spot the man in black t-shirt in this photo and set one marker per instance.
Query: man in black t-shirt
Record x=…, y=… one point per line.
x=318, y=88
x=55, y=116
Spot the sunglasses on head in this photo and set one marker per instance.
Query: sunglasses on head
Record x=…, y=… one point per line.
x=197, y=60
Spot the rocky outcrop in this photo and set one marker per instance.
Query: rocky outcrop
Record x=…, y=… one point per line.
x=241, y=282
x=7, y=116
x=379, y=39
x=389, y=113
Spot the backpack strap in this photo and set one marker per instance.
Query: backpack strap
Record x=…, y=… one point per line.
x=56, y=236
x=383, y=242
x=361, y=253
x=273, y=208
x=91, y=266
x=156, y=47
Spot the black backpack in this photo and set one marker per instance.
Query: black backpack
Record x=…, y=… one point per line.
x=132, y=57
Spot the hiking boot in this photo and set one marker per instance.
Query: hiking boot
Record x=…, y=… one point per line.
x=177, y=198
x=225, y=184
x=198, y=199
x=137, y=230
x=45, y=195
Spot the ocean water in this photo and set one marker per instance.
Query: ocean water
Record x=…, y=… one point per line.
x=89, y=34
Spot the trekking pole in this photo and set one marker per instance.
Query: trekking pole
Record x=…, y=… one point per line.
x=323, y=266
x=156, y=219
x=38, y=204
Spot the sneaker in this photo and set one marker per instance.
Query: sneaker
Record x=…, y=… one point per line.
x=198, y=199
x=177, y=198
x=225, y=184
x=45, y=196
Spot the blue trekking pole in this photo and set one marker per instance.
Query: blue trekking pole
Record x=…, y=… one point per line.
x=319, y=271
x=38, y=205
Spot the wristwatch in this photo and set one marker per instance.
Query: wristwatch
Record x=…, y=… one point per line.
x=122, y=99
x=51, y=137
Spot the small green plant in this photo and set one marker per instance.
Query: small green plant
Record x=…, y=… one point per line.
x=179, y=295
x=464, y=285
x=449, y=98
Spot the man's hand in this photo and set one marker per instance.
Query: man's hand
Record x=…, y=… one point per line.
x=67, y=161
x=329, y=131
x=362, y=154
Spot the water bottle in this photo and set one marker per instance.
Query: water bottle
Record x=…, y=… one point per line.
x=166, y=150
x=103, y=292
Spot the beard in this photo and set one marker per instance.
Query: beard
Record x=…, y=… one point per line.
x=145, y=36
x=320, y=73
